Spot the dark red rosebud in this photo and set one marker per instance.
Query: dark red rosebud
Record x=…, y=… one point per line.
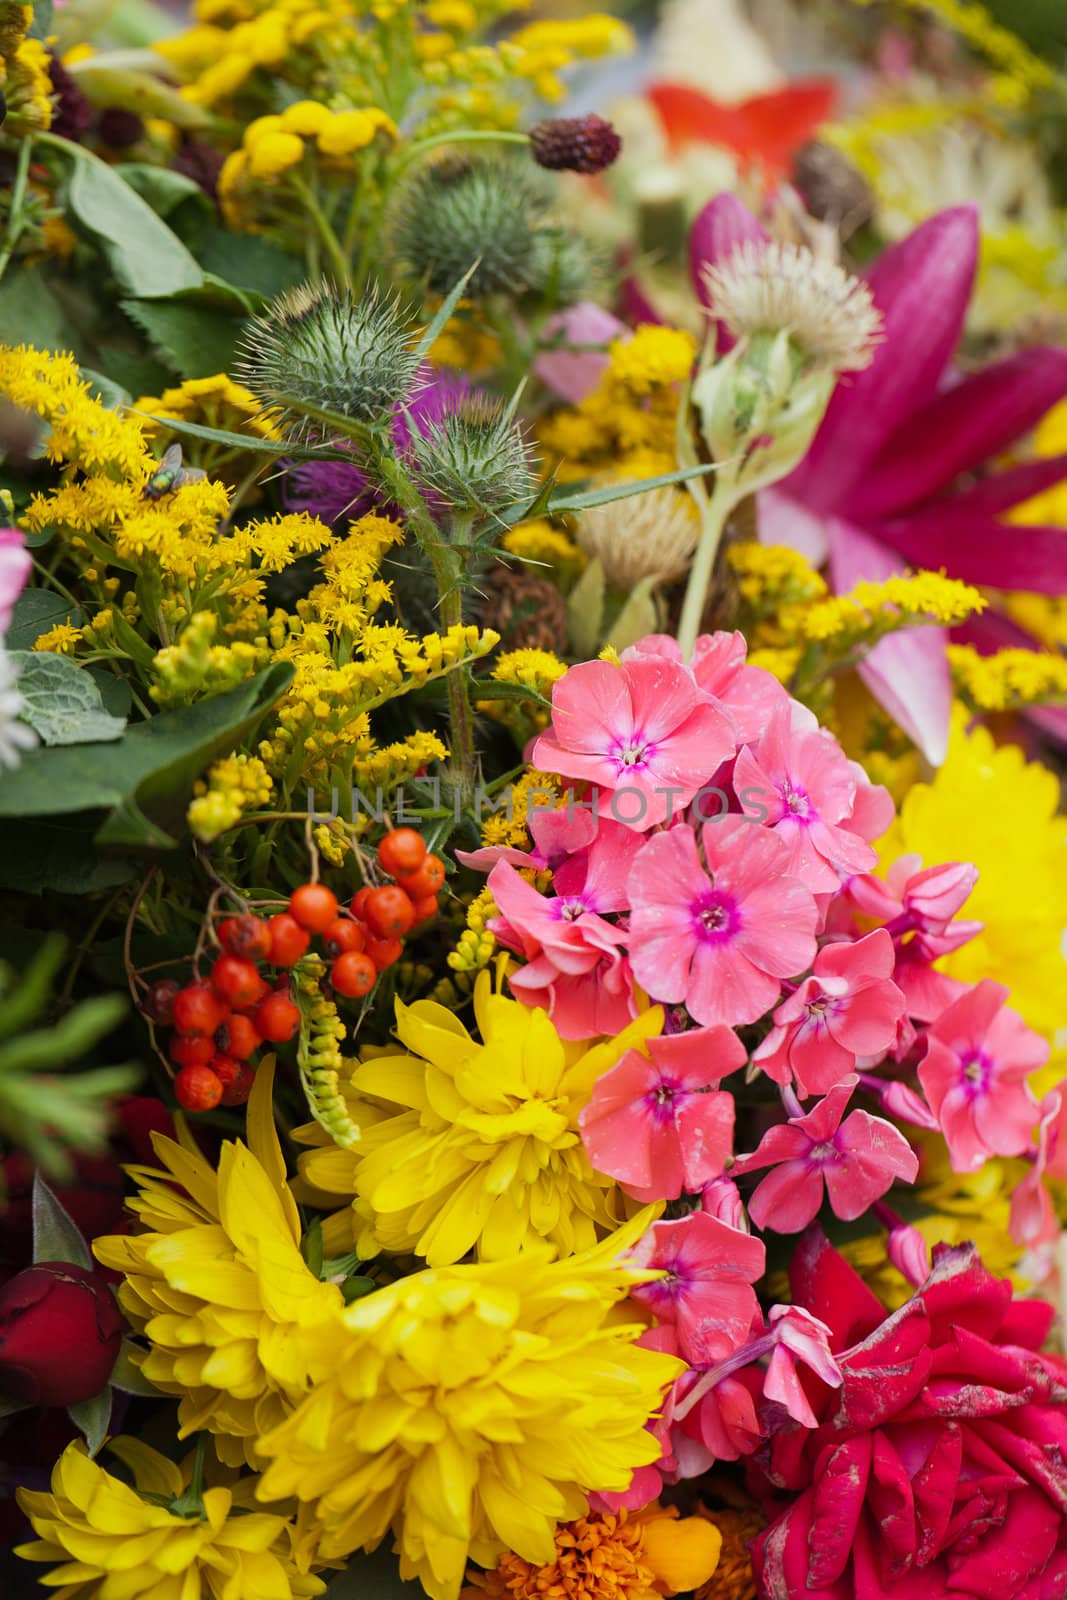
x=575, y=144
x=60, y=1331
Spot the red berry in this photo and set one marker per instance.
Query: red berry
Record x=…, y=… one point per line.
x=198, y=1009
x=158, y=1003
x=429, y=879
x=353, y=974
x=246, y=936
x=236, y=1078
x=288, y=940
x=238, y=1037
x=402, y=850
x=190, y=1050
x=425, y=908
x=342, y=934
x=359, y=902
x=314, y=906
x=390, y=912
x=277, y=1018
x=383, y=952
x=237, y=981
x=197, y=1089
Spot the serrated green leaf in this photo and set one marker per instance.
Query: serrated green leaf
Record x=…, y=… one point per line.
x=31, y=314
x=61, y=701
x=585, y=610
x=249, y=262
x=146, y=257
x=36, y=612
x=92, y=1418
x=196, y=342
x=56, y=1237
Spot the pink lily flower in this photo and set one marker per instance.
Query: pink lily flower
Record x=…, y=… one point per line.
x=816, y=801
x=848, y=1008
x=879, y=488
x=720, y=937
x=707, y=1292
x=642, y=731
x=15, y=567
x=658, y=1122
x=858, y=1160
x=979, y=1054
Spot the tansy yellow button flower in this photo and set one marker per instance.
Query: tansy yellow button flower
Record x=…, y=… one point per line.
x=274, y=153
x=470, y=1408
x=482, y=1151
x=111, y=1542
x=306, y=117
x=233, y=1314
x=353, y=130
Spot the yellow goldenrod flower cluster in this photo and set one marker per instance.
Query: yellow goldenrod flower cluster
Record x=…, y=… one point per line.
x=62, y=640
x=83, y=431
x=352, y=591
x=546, y=546
x=611, y=1556
x=214, y=402
x=526, y=669
x=216, y=1282
x=770, y=576
x=24, y=79
x=196, y=667
x=148, y=1543
x=509, y=826
x=552, y=44
x=627, y=423
x=989, y=805
x=1043, y=615
x=233, y=786
x=273, y=145
x=1009, y=678
x=481, y=1150
x=871, y=610
x=469, y=1409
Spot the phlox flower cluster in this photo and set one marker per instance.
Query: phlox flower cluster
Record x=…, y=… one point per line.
x=714, y=857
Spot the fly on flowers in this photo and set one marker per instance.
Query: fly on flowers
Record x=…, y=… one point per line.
x=533, y=1052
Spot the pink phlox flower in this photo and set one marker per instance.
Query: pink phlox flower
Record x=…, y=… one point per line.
x=721, y=1198
x=900, y=1100
x=15, y=568
x=909, y=1253
x=979, y=1054
x=809, y=791
x=706, y=1293
x=721, y=933
x=558, y=833
x=1033, y=1220
x=642, y=731
x=857, y=1160
x=800, y=1341
x=750, y=694
x=848, y=1008
x=658, y=1122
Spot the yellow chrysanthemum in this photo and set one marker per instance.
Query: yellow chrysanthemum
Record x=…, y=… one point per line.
x=471, y=1408
x=610, y=1557
x=481, y=1150
x=111, y=1543
x=989, y=805
x=217, y=1284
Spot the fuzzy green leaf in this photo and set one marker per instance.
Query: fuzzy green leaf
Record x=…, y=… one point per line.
x=62, y=702
x=56, y=1236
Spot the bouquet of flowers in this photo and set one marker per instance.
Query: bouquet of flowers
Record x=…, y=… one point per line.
x=532, y=691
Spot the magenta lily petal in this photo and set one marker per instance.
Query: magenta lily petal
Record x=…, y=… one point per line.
x=1004, y=490
x=980, y=549
x=722, y=227
x=960, y=429
x=783, y=520
x=908, y=672
x=922, y=287
x=573, y=374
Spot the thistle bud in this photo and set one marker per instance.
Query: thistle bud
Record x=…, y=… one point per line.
x=318, y=347
x=474, y=459
x=575, y=144
x=457, y=212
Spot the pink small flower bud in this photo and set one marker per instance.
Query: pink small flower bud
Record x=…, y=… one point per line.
x=908, y=1252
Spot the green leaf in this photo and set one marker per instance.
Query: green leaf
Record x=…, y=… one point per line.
x=585, y=610
x=37, y=611
x=147, y=259
x=373, y=1577
x=92, y=1418
x=106, y=389
x=568, y=501
x=444, y=311
x=248, y=441
x=144, y=779
x=29, y=999
x=494, y=689
x=248, y=262
x=56, y=1236
x=355, y=1288
x=58, y=857
x=311, y=1248
x=639, y=616
x=53, y=1049
x=160, y=187
x=127, y=1375
x=62, y=702
x=41, y=26
x=130, y=79
x=31, y=314
x=196, y=342
x=115, y=692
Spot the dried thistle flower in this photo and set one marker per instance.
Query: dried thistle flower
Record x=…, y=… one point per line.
x=652, y=535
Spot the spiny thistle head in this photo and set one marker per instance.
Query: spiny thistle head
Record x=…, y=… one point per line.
x=768, y=289
x=456, y=212
x=318, y=347
x=475, y=459
x=575, y=144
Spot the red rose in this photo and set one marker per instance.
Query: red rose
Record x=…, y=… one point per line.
x=60, y=1331
x=939, y=1470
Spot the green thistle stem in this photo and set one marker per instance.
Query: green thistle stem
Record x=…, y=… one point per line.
x=714, y=512
x=459, y=136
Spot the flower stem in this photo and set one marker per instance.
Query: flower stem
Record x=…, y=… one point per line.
x=460, y=136
x=16, y=219
x=714, y=513
x=323, y=228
